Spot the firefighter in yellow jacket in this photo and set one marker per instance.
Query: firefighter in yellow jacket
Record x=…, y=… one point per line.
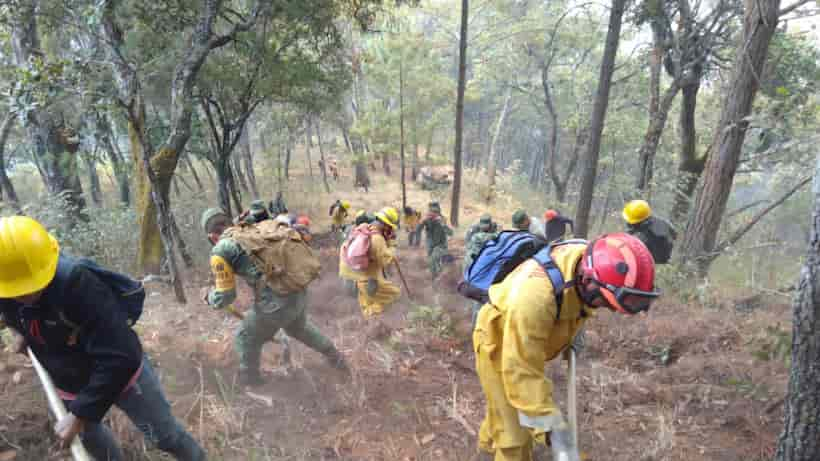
x=374, y=290
x=520, y=329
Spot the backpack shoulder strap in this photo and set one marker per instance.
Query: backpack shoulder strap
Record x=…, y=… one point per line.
x=544, y=258
x=554, y=273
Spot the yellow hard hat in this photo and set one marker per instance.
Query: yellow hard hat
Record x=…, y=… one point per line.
x=636, y=211
x=389, y=216
x=359, y=213
x=28, y=256
x=345, y=204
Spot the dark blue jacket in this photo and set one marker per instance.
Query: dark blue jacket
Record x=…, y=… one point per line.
x=94, y=361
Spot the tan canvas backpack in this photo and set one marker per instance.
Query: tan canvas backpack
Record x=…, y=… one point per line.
x=287, y=262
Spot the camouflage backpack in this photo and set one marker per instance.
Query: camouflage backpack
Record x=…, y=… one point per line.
x=286, y=261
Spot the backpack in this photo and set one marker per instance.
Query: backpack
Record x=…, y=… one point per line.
x=286, y=261
x=502, y=255
x=130, y=293
x=356, y=250
x=659, y=236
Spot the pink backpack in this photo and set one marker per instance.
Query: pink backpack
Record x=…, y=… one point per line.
x=356, y=250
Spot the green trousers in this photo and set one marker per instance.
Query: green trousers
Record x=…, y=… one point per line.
x=261, y=324
x=435, y=259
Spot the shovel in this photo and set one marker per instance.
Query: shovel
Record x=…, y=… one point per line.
x=57, y=407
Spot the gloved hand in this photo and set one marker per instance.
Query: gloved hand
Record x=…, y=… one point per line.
x=563, y=447
x=372, y=286
x=579, y=342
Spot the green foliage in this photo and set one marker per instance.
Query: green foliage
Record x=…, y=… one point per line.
x=772, y=343
x=431, y=320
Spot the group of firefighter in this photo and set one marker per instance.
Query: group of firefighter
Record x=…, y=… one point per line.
x=77, y=318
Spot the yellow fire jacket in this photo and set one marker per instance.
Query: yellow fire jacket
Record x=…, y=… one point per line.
x=518, y=331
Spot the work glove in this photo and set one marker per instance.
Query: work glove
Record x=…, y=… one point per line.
x=563, y=447
x=372, y=286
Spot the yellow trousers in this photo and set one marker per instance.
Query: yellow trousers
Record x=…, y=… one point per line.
x=372, y=305
x=500, y=432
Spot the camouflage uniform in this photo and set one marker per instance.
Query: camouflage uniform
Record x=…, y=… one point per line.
x=477, y=240
x=271, y=311
x=437, y=234
x=256, y=213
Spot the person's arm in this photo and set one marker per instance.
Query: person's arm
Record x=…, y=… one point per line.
x=111, y=345
x=529, y=322
x=381, y=252
x=223, y=258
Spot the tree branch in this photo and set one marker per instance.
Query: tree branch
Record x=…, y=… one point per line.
x=792, y=7
x=739, y=233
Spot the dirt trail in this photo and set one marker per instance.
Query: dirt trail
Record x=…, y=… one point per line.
x=678, y=384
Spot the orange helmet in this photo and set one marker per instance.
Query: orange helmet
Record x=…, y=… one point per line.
x=549, y=215
x=623, y=268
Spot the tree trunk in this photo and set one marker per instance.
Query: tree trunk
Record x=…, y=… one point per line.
x=308, y=146
x=386, y=163
x=701, y=233
x=106, y=132
x=237, y=171
x=247, y=156
x=288, y=151
x=652, y=138
x=800, y=439
x=235, y=193
x=322, y=163
x=6, y=187
x=492, y=160
x=186, y=160
x=54, y=145
x=223, y=191
x=93, y=179
x=462, y=80
x=596, y=124
x=401, y=134
x=690, y=165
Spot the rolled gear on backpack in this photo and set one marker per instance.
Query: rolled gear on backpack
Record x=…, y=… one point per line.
x=356, y=250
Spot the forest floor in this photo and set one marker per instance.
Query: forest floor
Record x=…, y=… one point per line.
x=684, y=382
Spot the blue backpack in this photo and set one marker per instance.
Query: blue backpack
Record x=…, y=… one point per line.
x=498, y=257
x=130, y=293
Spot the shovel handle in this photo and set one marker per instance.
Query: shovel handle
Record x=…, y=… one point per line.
x=56, y=403
x=572, y=409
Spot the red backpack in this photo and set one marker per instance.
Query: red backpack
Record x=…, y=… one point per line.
x=356, y=250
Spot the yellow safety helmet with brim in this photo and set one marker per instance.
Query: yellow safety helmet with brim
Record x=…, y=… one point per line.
x=636, y=211
x=388, y=216
x=28, y=256
x=345, y=205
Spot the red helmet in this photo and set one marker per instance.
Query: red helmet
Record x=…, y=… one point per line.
x=303, y=220
x=624, y=270
x=549, y=215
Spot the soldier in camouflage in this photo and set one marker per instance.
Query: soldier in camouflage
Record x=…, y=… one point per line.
x=255, y=214
x=437, y=234
x=474, y=229
x=271, y=311
x=485, y=232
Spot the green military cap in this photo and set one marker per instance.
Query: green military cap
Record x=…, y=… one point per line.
x=209, y=217
x=485, y=222
x=520, y=218
x=257, y=206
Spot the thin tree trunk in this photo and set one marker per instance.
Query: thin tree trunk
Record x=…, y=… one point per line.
x=308, y=146
x=401, y=134
x=386, y=163
x=596, y=124
x=652, y=138
x=288, y=151
x=223, y=192
x=6, y=187
x=800, y=439
x=93, y=179
x=493, y=160
x=690, y=165
x=118, y=163
x=235, y=193
x=699, y=240
x=462, y=80
x=322, y=163
x=186, y=160
x=247, y=156
x=237, y=171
